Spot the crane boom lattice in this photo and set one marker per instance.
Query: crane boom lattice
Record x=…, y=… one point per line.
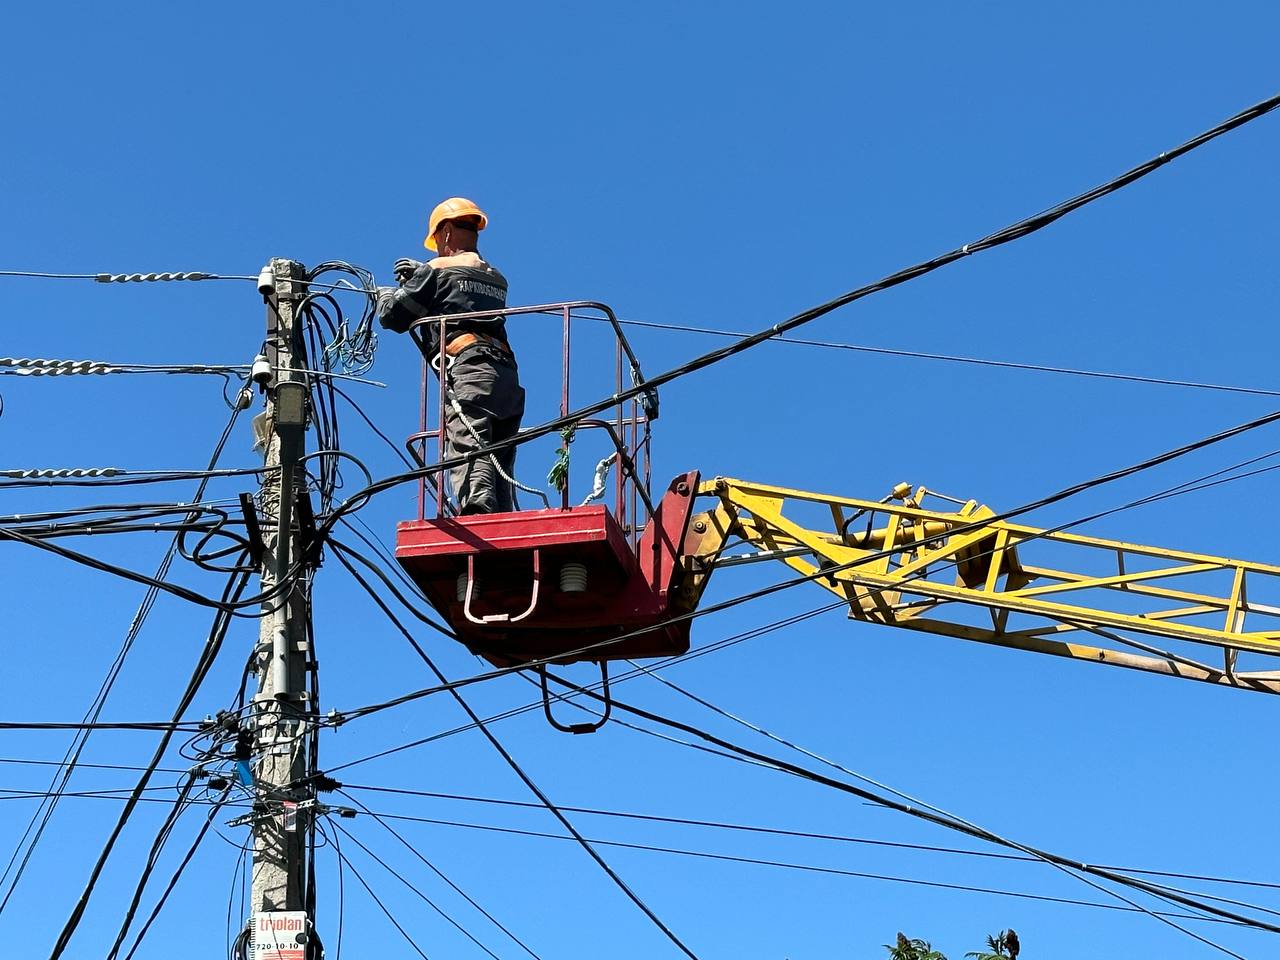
x=963, y=572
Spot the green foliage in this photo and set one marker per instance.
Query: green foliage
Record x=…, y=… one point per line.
x=913, y=950
x=1000, y=947
x=1003, y=946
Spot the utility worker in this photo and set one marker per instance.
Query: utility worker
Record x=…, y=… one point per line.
x=484, y=400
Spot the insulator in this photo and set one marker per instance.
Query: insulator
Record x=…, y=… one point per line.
x=150, y=277
x=573, y=578
x=462, y=587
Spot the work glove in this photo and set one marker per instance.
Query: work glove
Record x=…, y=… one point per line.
x=404, y=268
x=386, y=296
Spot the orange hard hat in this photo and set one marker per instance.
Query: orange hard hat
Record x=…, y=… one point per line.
x=452, y=209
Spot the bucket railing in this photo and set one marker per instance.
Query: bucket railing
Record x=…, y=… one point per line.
x=629, y=430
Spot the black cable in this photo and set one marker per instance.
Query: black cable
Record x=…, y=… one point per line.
x=421, y=896
x=929, y=815
x=1008, y=234
x=86, y=766
x=421, y=615
x=179, y=591
x=122, y=277
x=371, y=540
x=977, y=361
x=827, y=571
x=119, y=478
x=436, y=870
x=404, y=457
x=781, y=832
x=810, y=868
x=342, y=898
x=157, y=846
x=234, y=588
x=173, y=882
x=166, y=725
x=381, y=906
x=231, y=893
x=715, y=647
x=515, y=767
x=110, y=793
x=45, y=812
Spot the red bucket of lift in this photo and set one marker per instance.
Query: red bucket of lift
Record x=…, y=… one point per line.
x=563, y=584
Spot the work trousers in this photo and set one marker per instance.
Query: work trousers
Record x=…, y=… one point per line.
x=486, y=385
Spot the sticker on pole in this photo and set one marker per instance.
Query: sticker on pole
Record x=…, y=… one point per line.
x=280, y=935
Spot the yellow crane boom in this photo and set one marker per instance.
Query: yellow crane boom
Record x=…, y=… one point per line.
x=962, y=572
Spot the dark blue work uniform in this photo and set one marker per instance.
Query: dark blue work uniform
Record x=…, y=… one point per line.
x=481, y=372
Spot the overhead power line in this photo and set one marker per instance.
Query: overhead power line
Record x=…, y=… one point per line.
x=164, y=277
x=436, y=870
x=807, y=867
x=1015, y=231
x=517, y=769
x=435, y=821
x=941, y=818
x=39, y=367
x=122, y=277
x=417, y=892
x=826, y=571
x=111, y=476
x=718, y=645
x=381, y=906
x=976, y=361
x=235, y=586
x=40, y=820
x=797, y=834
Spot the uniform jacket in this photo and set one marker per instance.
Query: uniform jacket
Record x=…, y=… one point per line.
x=463, y=283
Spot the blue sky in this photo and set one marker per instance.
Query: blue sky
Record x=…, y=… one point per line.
x=714, y=164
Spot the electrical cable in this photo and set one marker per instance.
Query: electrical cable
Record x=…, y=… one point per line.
x=811, y=868
x=423, y=616
x=781, y=832
x=173, y=882
x=1005, y=235
x=827, y=571
x=516, y=768
x=24, y=761
x=381, y=906
x=941, y=818
x=342, y=897
x=233, y=609
x=171, y=726
x=235, y=586
x=421, y=896
x=718, y=645
x=436, y=870
x=121, y=277
x=157, y=846
x=977, y=361
x=831, y=763
x=111, y=476
x=231, y=894
x=404, y=457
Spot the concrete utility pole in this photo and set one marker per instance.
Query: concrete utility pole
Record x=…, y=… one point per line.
x=281, y=705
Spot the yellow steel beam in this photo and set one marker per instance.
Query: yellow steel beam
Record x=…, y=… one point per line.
x=958, y=559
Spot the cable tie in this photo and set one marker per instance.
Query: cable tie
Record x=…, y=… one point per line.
x=965, y=250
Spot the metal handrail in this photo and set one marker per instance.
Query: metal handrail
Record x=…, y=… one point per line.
x=628, y=469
